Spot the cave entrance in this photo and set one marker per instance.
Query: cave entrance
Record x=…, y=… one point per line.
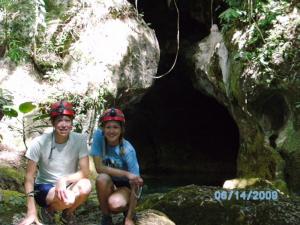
x=182, y=135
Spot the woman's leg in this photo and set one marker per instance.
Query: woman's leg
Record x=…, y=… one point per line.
x=104, y=188
x=119, y=199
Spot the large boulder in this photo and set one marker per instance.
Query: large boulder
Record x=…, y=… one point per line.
x=197, y=205
x=96, y=50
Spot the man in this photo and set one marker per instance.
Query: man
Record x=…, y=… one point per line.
x=61, y=160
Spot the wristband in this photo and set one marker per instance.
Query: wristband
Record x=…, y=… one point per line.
x=30, y=194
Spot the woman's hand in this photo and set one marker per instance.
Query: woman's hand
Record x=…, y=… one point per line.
x=29, y=219
x=135, y=180
x=128, y=221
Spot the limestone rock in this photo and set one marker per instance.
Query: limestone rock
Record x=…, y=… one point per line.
x=197, y=205
x=100, y=47
x=153, y=217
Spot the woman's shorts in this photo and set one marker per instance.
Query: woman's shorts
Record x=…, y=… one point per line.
x=121, y=183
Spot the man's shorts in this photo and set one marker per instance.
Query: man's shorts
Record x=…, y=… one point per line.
x=41, y=192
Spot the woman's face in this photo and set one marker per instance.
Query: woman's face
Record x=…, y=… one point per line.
x=112, y=132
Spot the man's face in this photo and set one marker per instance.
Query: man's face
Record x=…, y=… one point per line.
x=63, y=125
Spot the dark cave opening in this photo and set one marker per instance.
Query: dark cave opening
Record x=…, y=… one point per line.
x=181, y=134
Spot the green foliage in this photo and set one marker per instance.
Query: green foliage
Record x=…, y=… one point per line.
x=19, y=25
x=6, y=101
x=26, y=107
x=12, y=200
x=6, y=98
x=230, y=15
x=11, y=203
x=263, y=45
x=7, y=109
x=11, y=179
x=82, y=105
x=234, y=3
x=125, y=11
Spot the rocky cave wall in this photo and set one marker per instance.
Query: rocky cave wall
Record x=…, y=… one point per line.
x=263, y=108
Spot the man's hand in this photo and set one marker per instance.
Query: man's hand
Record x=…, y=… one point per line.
x=60, y=190
x=29, y=219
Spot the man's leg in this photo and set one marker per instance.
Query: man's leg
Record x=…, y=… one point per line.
x=46, y=214
x=80, y=189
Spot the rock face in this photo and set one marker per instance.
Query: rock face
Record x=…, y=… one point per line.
x=261, y=93
x=196, y=205
x=153, y=217
x=256, y=83
x=97, y=48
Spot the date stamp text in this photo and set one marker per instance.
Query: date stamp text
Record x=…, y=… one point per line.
x=249, y=195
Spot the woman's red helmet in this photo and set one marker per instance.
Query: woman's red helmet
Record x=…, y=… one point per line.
x=112, y=114
x=62, y=108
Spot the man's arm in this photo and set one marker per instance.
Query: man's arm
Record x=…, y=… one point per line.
x=29, y=187
x=83, y=172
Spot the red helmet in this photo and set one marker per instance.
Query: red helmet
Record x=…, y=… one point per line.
x=112, y=114
x=62, y=108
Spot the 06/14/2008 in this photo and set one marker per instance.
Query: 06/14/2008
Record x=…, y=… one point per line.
x=249, y=195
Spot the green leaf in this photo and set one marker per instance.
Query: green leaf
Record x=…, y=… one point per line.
x=26, y=107
x=229, y=15
x=9, y=111
x=41, y=117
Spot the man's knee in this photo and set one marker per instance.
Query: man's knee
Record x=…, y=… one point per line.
x=84, y=186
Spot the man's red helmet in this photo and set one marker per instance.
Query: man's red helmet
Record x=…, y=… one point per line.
x=62, y=108
x=112, y=114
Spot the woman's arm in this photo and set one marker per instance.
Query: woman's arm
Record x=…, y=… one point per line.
x=134, y=195
x=101, y=168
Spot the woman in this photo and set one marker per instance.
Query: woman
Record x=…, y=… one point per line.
x=115, y=161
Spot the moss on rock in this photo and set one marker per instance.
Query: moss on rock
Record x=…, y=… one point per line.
x=12, y=203
x=11, y=179
x=193, y=205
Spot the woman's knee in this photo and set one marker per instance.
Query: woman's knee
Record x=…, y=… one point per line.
x=103, y=180
x=116, y=203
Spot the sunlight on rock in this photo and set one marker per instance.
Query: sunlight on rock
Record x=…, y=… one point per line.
x=105, y=47
x=210, y=46
x=244, y=183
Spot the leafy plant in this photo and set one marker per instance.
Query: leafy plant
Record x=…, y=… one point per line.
x=126, y=11
x=85, y=106
x=20, y=22
x=23, y=109
x=6, y=101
